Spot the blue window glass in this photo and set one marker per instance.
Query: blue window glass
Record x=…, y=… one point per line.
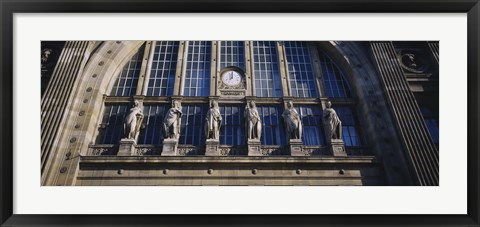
x=432, y=124
x=349, y=129
x=111, y=128
x=232, y=54
x=197, y=71
x=312, y=121
x=300, y=70
x=193, y=123
x=164, y=65
x=272, y=130
x=126, y=83
x=266, y=68
x=153, y=121
x=334, y=80
x=232, y=131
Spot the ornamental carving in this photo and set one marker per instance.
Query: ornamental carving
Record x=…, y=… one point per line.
x=233, y=151
x=148, y=150
x=314, y=151
x=190, y=150
x=272, y=151
x=413, y=62
x=98, y=150
x=232, y=81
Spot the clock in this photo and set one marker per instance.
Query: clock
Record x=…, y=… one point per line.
x=231, y=82
x=231, y=78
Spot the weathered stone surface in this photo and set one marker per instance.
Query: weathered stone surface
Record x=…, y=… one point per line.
x=170, y=147
x=296, y=147
x=126, y=147
x=150, y=170
x=212, y=146
x=338, y=148
x=254, y=147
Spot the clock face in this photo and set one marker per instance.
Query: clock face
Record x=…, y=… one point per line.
x=231, y=78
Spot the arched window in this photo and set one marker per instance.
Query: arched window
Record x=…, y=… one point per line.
x=334, y=80
x=349, y=127
x=184, y=68
x=111, y=126
x=126, y=83
x=337, y=88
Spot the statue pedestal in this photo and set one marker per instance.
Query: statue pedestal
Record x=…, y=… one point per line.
x=338, y=148
x=170, y=147
x=254, y=147
x=212, y=147
x=126, y=147
x=296, y=147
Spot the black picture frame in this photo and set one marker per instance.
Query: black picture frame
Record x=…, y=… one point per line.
x=10, y=7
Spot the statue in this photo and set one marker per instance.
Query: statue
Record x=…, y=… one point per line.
x=46, y=56
x=133, y=121
x=292, y=122
x=332, y=122
x=410, y=60
x=172, y=121
x=254, y=125
x=213, y=122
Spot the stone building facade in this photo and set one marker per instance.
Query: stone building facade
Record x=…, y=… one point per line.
x=385, y=94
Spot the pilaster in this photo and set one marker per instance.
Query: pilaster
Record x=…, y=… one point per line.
x=420, y=150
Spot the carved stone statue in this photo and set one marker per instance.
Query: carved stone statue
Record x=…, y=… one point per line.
x=213, y=122
x=332, y=122
x=46, y=55
x=172, y=121
x=254, y=125
x=133, y=121
x=410, y=61
x=292, y=122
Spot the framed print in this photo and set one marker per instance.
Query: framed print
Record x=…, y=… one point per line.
x=239, y=113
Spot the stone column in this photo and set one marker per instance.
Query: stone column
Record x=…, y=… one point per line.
x=214, y=69
x=57, y=97
x=145, y=68
x=420, y=150
x=180, y=70
x=283, y=68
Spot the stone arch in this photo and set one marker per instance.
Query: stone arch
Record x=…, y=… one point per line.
x=375, y=118
x=86, y=106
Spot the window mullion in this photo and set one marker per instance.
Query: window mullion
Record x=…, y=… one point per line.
x=144, y=70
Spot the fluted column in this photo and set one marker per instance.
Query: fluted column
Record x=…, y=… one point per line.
x=435, y=49
x=420, y=149
x=55, y=100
